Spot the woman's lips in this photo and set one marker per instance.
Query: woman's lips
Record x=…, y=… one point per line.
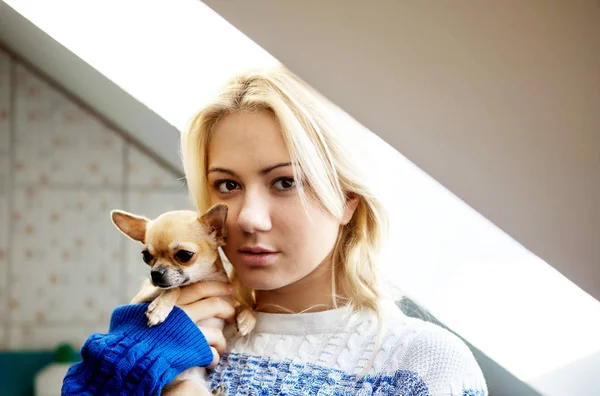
x=257, y=257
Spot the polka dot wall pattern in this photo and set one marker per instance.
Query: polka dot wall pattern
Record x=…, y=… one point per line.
x=63, y=265
x=4, y=103
x=5, y=110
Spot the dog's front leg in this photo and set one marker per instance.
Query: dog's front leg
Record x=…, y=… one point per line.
x=147, y=293
x=245, y=320
x=162, y=306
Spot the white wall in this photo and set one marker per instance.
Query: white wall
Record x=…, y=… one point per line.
x=63, y=265
x=499, y=101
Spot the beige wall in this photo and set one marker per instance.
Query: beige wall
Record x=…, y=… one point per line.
x=499, y=101
x=63, y=265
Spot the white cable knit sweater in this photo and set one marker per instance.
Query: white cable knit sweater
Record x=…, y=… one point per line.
x=326, y=353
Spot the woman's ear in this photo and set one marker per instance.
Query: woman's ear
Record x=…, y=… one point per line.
x=352, y=201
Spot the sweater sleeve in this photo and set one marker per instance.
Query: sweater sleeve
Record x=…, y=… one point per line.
x=445, y=363
x=136, y=359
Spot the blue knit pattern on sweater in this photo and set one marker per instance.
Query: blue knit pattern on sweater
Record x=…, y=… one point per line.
x=255, y=375
x=241, y=374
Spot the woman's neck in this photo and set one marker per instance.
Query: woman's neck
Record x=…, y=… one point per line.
x=313, y=293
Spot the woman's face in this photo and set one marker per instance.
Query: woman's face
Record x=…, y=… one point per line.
x=272, y=241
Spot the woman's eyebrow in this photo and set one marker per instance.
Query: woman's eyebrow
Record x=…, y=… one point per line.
x=222, y=170
x=266, y=171
x=262, y=172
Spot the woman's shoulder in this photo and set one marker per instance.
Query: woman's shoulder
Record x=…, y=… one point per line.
x=440, y=358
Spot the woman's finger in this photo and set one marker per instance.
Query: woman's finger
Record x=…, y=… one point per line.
x=216, y=358
x=183, y=388
x=199, y=290
x=215, y=338
x=210, y=307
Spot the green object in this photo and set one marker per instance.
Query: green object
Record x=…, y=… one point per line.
x=64, y=354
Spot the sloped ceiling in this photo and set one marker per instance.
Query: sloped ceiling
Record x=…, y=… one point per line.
x=89, y=87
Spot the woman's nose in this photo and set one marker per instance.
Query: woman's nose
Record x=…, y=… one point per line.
x=254, y=216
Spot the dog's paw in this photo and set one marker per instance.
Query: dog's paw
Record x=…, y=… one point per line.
x=245, y=322
x=157, y=312
x=220, y=390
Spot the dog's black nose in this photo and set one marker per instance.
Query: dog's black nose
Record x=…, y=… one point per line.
x=158, y=275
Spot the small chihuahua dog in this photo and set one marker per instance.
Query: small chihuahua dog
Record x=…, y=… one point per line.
x=181, y=248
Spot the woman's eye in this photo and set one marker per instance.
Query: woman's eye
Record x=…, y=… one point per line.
x=184, y=256
x=146, y=256
x=225, y=186
x=285, y=183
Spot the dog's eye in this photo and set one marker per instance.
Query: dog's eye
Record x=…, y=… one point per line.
x=147, y=257
x=184, y=256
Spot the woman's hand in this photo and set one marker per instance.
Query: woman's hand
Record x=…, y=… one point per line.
x=184, y=388
x=202, y=300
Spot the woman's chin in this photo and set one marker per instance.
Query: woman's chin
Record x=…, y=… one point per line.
x=259, y=284
x=257, y=281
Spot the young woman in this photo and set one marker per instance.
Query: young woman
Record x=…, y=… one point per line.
x=304, y=232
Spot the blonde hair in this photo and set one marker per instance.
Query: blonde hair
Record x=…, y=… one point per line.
x=324, y=166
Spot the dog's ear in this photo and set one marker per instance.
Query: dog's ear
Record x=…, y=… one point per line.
x=131, y=225
x=214, y=221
